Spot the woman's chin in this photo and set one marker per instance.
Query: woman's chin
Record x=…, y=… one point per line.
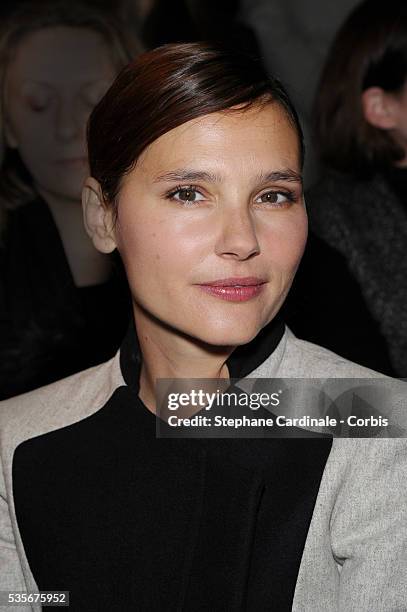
x=228, y=335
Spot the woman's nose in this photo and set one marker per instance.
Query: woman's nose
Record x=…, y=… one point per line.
x=67, y=122
x=237, y=238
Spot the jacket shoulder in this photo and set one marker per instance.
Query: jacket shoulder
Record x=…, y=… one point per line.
x=59, y=404
x=304, y=359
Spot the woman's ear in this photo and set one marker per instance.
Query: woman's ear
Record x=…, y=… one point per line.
x=380, y=108
x=98, y=217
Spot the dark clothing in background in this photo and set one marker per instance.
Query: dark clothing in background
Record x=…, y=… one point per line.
x=49, y=328
x=351, y=288
x=325, y=306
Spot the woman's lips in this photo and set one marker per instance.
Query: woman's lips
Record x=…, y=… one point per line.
x=234, y=289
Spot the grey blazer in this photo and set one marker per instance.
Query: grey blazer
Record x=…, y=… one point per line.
x=355, y=554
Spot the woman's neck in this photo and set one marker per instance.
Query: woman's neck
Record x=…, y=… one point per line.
x=170, y=355
x=87, y=265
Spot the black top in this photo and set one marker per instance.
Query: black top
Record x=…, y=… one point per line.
x=397, y=179
x=128, y=521
x=49, y=328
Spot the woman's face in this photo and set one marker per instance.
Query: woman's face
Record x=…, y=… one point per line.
x=211, y=224
x=54, y=80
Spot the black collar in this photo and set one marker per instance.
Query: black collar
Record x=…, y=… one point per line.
x=243, y=360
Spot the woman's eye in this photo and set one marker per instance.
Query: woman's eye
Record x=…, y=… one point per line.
x=186, y=194
x=37, y=97
x=277, y=198
x=38, y=105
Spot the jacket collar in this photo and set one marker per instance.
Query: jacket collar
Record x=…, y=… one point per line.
x=244, y=359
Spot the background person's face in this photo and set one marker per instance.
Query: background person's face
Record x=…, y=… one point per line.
x=55, y=79
x=230, y=217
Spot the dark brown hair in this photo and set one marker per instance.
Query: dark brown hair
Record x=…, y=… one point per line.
x=165, y=88
x=369, y=50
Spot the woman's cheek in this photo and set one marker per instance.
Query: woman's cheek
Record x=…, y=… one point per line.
x=285, y=241
x=148, y=254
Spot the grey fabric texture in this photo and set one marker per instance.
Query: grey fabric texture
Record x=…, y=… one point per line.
x=367, y=223
x=355, y=556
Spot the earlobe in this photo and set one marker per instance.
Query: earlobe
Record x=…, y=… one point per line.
x=97, y=217
x=379, y=108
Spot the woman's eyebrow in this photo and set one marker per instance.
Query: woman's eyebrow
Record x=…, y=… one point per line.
x=188, y=175
x=280, y=175
x=185, y=174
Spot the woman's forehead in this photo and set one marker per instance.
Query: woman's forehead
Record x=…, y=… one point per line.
x=225, y=139
x=60, y=54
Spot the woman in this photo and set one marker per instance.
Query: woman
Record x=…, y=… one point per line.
x=355, y=271
x=57, y=59
x=196, y=157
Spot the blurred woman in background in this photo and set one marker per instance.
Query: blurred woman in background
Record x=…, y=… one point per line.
x=56, y=61
x=355, y=267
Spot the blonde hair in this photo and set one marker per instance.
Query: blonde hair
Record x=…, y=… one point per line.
x=15, y=182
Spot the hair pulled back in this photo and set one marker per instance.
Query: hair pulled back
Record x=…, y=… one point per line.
x=165, y=88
